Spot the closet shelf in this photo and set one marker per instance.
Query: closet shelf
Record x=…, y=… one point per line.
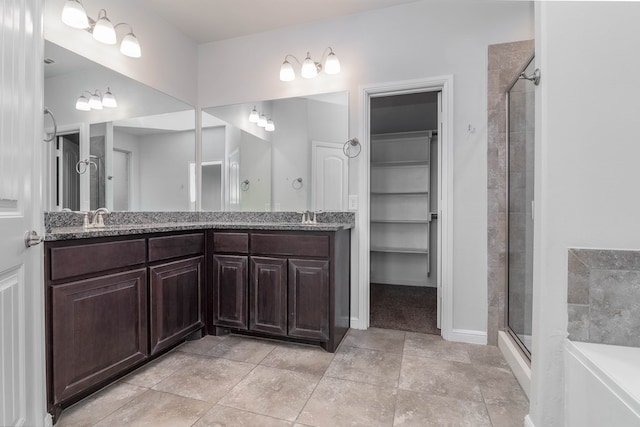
x=401, y=193
x=400, y=221
x=399, y=250
x=396, y=163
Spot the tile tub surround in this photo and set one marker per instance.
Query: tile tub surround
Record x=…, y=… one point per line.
x=603, y=298
x=225, y=381
x=505, y=61
x=68, y=225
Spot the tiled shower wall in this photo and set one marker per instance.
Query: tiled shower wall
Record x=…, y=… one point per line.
x=604, y=296
x=504, y=63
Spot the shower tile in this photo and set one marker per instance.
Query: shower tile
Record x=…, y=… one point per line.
x=578, y=326
x=578, y=291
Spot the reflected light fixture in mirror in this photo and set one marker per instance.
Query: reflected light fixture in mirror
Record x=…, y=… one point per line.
x=261, y=120
x=254, y=116
x=102, y=29
x=309, y=68
x=96, y=101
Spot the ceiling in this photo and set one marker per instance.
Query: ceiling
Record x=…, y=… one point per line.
x=211, y=20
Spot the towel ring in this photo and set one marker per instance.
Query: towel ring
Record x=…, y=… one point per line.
x=87, y=163
x=297, y=186
x=352, y=148
x=55, y=126
x=244, y=185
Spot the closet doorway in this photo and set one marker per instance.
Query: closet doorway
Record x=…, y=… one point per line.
x=404, y=228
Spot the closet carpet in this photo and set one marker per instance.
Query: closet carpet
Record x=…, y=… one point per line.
x=404, y=308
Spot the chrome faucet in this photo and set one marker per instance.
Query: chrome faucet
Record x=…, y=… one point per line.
x=96, y=217
x=307, y=217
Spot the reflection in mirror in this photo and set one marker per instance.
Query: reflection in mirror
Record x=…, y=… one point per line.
x=136, y=156
x=299, y=165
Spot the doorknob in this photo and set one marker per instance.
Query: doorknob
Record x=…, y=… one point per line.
x=31, y=238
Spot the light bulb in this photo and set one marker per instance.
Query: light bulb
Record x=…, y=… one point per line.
x=270, y=127
x=254, y=116
x=108, y=100
x=262, y=121
x=94, y=102
x=74, y=15
x=286, y=72
x=82, y=104
x=104, y=32
x=331, y=64
x=130, y=46
x=309, y=69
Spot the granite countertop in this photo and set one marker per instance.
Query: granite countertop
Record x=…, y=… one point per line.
x=68, y=225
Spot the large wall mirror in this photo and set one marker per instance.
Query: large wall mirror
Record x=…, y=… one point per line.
x=295, y=164
x=138, y=156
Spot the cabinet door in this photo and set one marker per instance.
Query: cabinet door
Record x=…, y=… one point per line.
x=309, y=299
x=230, y=291
x=99, y=329
x=176, y=304
x=268, y=295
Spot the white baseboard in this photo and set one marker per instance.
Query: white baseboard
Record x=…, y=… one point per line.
x=468, y=336
x=528, y=422
x=355, y=323
x=516, y=361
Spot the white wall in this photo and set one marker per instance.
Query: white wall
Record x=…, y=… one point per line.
x=164, y=171
x=587, y=158
x=417, y=40
x=169, y=58
x=126, y=142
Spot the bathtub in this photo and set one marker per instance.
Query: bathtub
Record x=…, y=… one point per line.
x=602, y=385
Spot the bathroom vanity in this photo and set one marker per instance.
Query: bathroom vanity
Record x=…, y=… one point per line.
x=119, y=296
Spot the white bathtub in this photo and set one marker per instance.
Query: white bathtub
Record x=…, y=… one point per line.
x=602, y=385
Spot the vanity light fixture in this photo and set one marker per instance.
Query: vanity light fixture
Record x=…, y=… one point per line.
x=96, y=101
x=254, y=116
x=309, y=68
x=102, y=29
x=262, y=121
x=270, y=126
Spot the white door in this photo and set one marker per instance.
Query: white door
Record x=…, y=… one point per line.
x=234, y=180
x=120, y=179
x=22, y=400
x=329, y=177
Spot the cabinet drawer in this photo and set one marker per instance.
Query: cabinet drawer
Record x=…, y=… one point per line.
x=175, y=246
x=290, y=244
x=70, y=261
x=231, y=242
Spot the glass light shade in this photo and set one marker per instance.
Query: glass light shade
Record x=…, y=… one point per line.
x=270, y=127
x=130, y=46
x=82, y=104
x=262, y=121
x=286, y=72
x=94, y=102
x=74, y=15
x=104, y=32
x=108, y=100
x=254, y=116
x=332, y=65
x=309, y=69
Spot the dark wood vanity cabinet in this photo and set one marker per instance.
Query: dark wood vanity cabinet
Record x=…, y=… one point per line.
x=297, y=285
x=98, y=329
x=112, y=303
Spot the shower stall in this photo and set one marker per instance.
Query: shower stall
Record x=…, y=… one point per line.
x=520, y=185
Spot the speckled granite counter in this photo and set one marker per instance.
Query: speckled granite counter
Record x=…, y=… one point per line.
x=68, y=225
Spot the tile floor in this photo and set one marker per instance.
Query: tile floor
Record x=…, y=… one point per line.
x=377, y=377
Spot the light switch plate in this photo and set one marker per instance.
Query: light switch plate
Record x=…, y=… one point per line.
x=353, y=202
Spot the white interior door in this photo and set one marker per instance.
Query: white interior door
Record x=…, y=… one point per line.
x=234, y=180
x=329, y=177
x=22, y=400
x=121, y=182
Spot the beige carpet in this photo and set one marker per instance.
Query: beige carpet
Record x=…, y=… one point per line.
x=404, y=308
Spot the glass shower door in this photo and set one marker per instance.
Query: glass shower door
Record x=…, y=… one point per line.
x=520, y=180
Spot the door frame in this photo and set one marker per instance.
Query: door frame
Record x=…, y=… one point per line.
x=443, y=84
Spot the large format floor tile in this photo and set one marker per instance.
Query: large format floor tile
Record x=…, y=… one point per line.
x=157, y=409
x=377, y=378
x=367, y=366
x=337, y=403
x=270, y=391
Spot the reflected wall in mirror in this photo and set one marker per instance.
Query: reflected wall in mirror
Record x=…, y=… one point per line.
x=137, y=156
x=299, y=165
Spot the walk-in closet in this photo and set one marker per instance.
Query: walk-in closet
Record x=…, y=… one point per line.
x=404, y=212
